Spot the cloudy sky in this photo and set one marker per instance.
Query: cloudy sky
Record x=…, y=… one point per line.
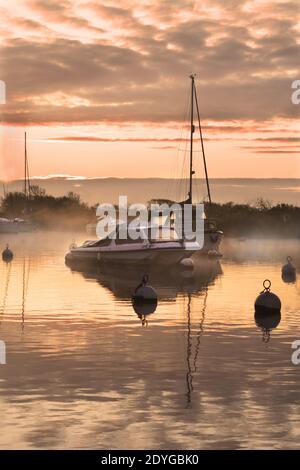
x=102, y=86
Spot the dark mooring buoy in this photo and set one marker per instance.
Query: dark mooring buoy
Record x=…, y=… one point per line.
x=267, y=302
x=7, y=254
x=143, y=309
x=144, y=299
x=288, y=271
x=144, y=292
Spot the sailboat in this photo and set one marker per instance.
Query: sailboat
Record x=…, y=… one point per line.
x=160, y=250
x=17, y=224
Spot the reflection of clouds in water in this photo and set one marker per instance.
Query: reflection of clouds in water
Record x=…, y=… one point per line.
x=149, y=389
x=84, y=373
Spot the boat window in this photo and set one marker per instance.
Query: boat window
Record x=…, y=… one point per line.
x=103, y=242
x=163, y=234
x=92, y=243
x=127, y=241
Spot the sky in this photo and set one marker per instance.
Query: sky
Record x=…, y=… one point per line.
x=102, y=88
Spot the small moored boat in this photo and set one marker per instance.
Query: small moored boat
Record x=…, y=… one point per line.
x=162, y=250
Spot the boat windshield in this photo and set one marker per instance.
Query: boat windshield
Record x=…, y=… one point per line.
x=150, y=233
x=162, y=234
x=104, y=241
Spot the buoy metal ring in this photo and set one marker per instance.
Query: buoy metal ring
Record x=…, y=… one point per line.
x=267, y=284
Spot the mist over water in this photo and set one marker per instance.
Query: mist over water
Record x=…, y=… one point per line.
x=85, y=370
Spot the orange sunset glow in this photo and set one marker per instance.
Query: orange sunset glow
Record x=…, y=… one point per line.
x=149, y=230
x=102, y=87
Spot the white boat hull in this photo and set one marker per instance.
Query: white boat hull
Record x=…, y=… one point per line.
x=8, y=227
x=165, y=253
x=139, y=255
x=16, y=227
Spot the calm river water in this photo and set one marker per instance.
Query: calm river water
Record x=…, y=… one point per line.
x=84, y=370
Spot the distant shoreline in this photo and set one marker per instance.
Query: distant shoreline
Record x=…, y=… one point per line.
x=69, y=211
x=108, y=189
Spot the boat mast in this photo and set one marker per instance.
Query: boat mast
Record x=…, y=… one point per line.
x=202, y=146
x=26, y=171
x=190, y=198
x=25, y=168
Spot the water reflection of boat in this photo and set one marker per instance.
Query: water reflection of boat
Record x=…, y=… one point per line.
x=168, y=284
x=25, y=281
x=192, y=353
x=189, y=284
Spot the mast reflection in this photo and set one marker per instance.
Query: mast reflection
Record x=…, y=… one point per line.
x=169, y=284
